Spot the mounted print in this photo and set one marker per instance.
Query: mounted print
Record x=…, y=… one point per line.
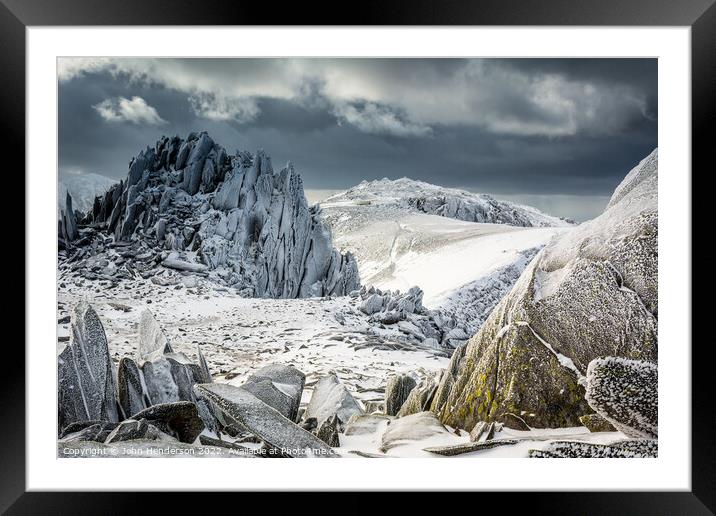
x=357, y=257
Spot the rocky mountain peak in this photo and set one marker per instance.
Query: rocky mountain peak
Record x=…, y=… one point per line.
x=189, y=205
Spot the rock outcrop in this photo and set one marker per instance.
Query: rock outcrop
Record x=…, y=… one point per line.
x=188, y=205
x=591, y=292
x=415, y=427
x=86, y=389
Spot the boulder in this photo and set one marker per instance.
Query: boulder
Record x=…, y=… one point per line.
x=482, y=432
x=397, y=391
x=264, y=421
x=180, y=420
x=625, y=393
x=330, y=397
x=86, y=389
x=414, y=427
x=591, y=292
x=279, y=386
x=596, y=423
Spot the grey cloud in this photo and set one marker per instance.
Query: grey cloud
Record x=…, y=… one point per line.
x=517, y=146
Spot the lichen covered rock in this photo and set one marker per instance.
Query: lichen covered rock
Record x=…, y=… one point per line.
x=591, y=292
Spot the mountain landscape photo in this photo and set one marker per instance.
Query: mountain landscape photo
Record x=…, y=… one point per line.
x=418, y=305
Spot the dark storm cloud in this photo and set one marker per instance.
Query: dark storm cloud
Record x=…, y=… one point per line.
x=538, y=129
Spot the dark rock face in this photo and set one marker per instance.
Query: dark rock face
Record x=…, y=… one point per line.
x=188, y=205
x=625, y=393
x=86, y=388
x=132, y=396
x=591, y=292
x=180, y=419
x=328, y=432
x=396, y=392
x=264, y=421
x=279, y=386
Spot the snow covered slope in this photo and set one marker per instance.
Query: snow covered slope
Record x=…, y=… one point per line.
x=464, y=268
x=446, y=202
x=83, y=189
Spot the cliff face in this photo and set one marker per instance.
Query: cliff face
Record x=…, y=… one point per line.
x=591, y=292
x=230, y=216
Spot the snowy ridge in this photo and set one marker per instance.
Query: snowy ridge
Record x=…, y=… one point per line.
x=83, y=189
x=446, y=202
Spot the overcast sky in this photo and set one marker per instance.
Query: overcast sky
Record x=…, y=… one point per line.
x=558, y=134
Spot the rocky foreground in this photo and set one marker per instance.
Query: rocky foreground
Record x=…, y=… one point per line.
x=161, y=403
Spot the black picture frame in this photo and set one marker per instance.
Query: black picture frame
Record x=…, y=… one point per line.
x=700, y=15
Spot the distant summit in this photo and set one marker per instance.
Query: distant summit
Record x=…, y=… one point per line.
x=446, y=202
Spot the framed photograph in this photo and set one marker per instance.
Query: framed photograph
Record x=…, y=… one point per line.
x=449, y=239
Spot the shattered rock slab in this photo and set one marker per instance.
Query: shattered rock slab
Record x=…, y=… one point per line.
x=264, y=421
x=459, y=449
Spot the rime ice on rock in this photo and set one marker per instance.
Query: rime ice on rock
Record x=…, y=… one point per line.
x=264, y=421
x=625, y=393
x=86, y=388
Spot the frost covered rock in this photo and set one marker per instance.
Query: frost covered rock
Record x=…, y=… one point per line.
x=625, y=393
x=264, y=421
x=591, y=292
x=196, y=209
x=636, y=448
x=330, y=397
x=279, y=386
x=180, y=420
x=86, y=389
x=414, y=427
x=397, y=391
